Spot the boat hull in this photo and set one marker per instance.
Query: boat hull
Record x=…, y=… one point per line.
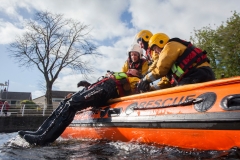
x=184, y=138
x=203, y=116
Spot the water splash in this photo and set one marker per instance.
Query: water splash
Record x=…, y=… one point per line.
x=17, y=142
x=14, y=147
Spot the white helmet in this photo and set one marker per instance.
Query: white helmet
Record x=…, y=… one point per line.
x=136, y=48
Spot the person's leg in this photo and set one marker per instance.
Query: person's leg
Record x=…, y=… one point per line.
x=49, y=120
x=54, y=129
x=5, y=112
x=198, y=75
x=46, y=123
x=96, y=96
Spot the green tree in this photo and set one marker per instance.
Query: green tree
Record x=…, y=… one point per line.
x=205, y=39
x=52, y=43
x=228, y=43
x=222, y=45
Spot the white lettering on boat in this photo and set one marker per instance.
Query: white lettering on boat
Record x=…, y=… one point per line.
x=165, y=102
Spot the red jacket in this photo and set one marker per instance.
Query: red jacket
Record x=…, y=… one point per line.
x=6, y=106
x=1, y=103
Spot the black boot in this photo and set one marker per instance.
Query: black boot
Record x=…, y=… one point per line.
x=55, y=129
x=46, y=123
x=96, y=96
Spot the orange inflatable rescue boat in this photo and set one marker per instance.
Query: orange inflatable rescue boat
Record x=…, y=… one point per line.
x=203, y=116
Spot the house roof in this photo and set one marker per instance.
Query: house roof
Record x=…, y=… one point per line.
x=16, y=95
x=58, y=94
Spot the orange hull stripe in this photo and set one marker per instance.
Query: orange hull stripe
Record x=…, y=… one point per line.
x=183, y=138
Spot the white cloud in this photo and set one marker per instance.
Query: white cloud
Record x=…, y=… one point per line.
x=37, y=93
x=177, y=18
x=8, y=32
x=103, y=16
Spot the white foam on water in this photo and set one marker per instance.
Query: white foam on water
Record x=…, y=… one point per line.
x=4, y=137
x=13, y=140
x=131, y=146
x=18, y=142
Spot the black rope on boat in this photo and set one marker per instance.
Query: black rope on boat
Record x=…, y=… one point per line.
x=185, y=103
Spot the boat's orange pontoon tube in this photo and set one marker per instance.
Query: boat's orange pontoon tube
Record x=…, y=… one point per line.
x=203, y=116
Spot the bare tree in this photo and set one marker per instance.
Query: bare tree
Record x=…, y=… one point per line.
x=52, y=43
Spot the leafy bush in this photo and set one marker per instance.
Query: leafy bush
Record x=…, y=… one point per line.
x=29, y=104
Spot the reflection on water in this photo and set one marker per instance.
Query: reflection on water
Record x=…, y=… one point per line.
x=18, y=149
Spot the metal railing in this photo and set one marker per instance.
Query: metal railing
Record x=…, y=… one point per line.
x=26, y=110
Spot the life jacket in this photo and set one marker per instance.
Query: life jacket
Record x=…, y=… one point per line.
x=136, y=65
x=191, y=58
x=122, y=83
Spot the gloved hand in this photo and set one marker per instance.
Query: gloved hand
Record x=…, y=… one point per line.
x=69, y=95
x=83, y=83
x=143, y=85
x=146, y=73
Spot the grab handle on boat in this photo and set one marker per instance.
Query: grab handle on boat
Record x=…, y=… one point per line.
x=197, y=100
x=185, y=103
x=231, y=102
x=113, y=112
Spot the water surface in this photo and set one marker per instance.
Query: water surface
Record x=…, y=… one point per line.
x=12, y=147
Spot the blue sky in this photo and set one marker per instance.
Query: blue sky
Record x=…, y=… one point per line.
x=114, y=23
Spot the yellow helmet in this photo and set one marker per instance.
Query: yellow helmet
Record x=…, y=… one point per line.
x=159, y=39
x=145, y=35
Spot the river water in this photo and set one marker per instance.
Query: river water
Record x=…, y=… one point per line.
x=12, y=147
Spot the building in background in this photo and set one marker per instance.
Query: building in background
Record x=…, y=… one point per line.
x=14, y=98
x=57, y=96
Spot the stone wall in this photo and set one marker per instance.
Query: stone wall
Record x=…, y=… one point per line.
x=14, y=124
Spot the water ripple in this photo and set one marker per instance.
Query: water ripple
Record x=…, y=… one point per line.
x=15, y=148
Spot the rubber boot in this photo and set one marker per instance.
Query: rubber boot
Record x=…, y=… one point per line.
x=46, y=123
x=95, y=96
x=55, y=129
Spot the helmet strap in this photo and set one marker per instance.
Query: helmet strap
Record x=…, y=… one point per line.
x=145, y=44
